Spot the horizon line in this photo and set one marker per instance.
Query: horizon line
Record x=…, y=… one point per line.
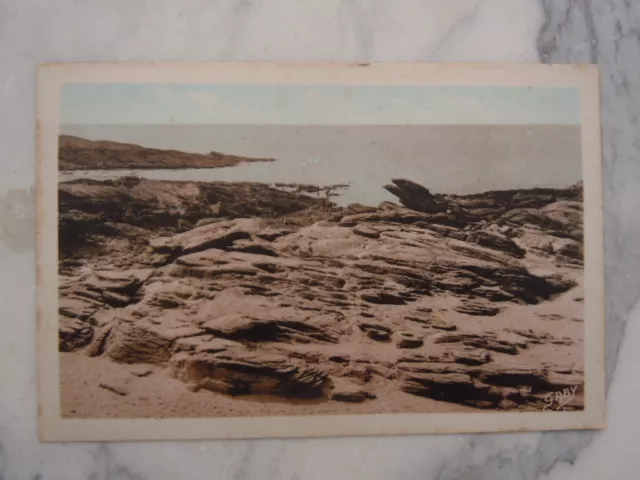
x=322, y=124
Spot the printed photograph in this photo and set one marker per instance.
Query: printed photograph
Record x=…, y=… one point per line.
x=253, y=250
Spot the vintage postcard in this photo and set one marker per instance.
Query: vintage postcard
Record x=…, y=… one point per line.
x=259, y=250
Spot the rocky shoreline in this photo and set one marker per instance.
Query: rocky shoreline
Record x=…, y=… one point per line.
x=76, y=153
x=247, y=290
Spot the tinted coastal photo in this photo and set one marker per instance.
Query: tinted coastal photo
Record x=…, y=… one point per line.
x=230, y=250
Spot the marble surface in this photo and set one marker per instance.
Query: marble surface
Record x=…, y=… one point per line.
x=558, y=31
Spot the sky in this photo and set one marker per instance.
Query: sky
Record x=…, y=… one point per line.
x=245, y=104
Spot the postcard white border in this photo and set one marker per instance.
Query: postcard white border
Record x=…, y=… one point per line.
x=51, y=77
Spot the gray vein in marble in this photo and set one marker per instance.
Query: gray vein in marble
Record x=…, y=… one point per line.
x=106, y=467
x=458, y=24
x=566, y=20
x=504, y=460
x=17, y=220
x=356, y=14
x=239, y=16
x=571, y=33
x=242, y=472
x=3, y=461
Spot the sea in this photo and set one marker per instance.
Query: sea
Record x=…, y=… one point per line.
x=452, y=159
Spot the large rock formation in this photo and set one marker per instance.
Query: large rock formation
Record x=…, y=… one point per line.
x=245, y=289
x=75, y=153
x=91, y=211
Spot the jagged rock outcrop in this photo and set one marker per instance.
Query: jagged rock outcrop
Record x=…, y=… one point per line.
x=245, y=289
x=238, y=372
x=92, y=211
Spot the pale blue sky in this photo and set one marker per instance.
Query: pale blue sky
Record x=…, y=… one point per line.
x=243, y=104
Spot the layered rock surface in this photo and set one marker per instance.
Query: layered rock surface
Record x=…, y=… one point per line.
x=244, y=289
